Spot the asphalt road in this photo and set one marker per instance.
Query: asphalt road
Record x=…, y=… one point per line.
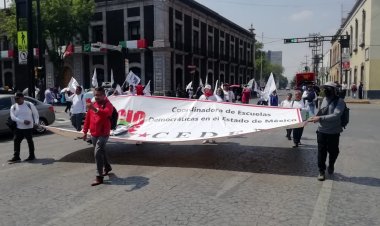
x=249, y=180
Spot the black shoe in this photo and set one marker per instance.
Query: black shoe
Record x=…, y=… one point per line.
x=106, y=171
x=289, y=138
x=321, y=176
x=330, y=169
x=89, y=141
x=14, y=160
x=30, y=158
x=295, y=145
x=98, y=180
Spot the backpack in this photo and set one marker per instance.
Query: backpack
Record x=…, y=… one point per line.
x=114, y=117
x=345, y=117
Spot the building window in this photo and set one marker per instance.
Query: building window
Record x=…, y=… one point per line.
x=210, y=29
x=132, y=12
x=232, y=51
x=222, y=34
x=97, y=33
x=351, y=39
x=209, y=44
x=196, y=40
x=196, y=23
x=8, y=64
x=134, y=30
x=362, y=35
x=178, y=36
x=222, y=48
x=97, y=16
x=178, y=15
x=356, y=34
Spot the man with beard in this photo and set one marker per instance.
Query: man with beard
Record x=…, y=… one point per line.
x=329, y=129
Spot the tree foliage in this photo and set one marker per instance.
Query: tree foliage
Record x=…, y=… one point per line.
x=268, y=68
x=61, y=21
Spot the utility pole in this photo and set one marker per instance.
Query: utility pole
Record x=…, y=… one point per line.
x=29, y=13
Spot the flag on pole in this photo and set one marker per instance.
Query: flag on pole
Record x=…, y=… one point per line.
x=132, y=79
x=112, y=80
x=146, y=90
x=118, y=89
x=189, y=85
x=200, y=82
x=216, y=86
x=206, y=83
x=73, y=84
x=94, y=80
x=269, y=87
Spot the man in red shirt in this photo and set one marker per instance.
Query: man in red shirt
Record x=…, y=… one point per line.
x=246, y=95
x=98, y=121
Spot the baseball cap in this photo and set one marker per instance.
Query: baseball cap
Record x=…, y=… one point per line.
x=331, y=84
x=207, y=87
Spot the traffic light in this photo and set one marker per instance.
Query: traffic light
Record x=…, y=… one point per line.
x=290, y=40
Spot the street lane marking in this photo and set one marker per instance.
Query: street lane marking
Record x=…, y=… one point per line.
x=320, y=208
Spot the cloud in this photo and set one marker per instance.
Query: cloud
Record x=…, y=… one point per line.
x=303, y=15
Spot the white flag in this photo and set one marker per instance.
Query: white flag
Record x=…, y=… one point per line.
x=73, y=84
x=269, y=87
x=206, y=83
x=250, y=84
x=146, y=90
x=200, y=82
x=216, y=86
x=94, y=79
x=189, y=86
x=132, y=79
x=112, y=81
x=118, y=89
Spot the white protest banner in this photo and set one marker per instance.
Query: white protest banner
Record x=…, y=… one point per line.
x=73, y=84
x=132, y=79
x=163, y=119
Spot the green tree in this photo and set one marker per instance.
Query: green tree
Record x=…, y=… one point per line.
x=62, y=20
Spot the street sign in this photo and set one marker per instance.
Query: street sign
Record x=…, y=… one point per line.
x=22, y=40
x=22, y=44
x=22, y=57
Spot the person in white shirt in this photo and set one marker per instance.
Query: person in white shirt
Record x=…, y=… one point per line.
x=208, y=95
x=228, y=94
x=26, y=116
x=78, y=108
x=297, y=103
x=288, y=103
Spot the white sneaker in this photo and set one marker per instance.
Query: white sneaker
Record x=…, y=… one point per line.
x=205, y=142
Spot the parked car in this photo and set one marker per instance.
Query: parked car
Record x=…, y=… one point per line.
x=45, y=111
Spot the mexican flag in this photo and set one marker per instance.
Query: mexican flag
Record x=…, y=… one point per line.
x=6, y=54
x=135, y=44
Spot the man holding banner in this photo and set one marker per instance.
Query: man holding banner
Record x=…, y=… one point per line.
x=99, y=124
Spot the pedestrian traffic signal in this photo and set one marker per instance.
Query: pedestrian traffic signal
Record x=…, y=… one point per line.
x=290, y=40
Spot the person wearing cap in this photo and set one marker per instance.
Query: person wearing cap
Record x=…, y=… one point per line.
x=25, y=115
x=329, y=129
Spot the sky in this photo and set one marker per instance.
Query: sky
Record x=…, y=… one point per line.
x=279, y=19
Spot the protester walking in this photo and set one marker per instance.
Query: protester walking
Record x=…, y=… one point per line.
x=354, y=89
x=344, y=89
x=49, y=96
x=361, y=90
x=288, y=103
x=297, y=103
x=310, y=97
x=228, y=94
x=78, y=108
x=69, y=102
x=246, y=95
x=26, y=116
x=329, y=129
x=99, y=123
x=273, y=99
